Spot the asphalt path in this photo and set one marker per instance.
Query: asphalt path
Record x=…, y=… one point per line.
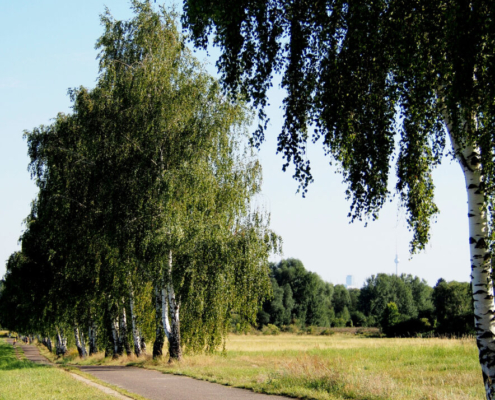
x=30, y=351
x=155, y=385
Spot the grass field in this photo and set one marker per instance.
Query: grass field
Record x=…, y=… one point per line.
x=335, y=367
x=24, y=380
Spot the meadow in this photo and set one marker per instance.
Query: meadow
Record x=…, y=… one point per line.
x=23, y=380
x=341, y=366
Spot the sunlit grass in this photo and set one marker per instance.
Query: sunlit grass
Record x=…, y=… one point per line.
x=335, y=367
x=24, y=380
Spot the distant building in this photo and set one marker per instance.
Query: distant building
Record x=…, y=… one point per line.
x=349, y=282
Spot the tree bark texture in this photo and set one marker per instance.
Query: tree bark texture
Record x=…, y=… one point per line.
x=81, y=349
x=165, y=312
x=160, y=335
x=135, y=332
x=48, y=343
x=480, y=255
x=93, y=348
x=143, y=344
x=117, y=349
x=124, y=341
x=174, y=345
x=61, y=345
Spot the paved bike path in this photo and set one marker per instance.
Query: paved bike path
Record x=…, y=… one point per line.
x=155, y=385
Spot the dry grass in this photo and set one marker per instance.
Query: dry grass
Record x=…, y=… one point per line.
x=335, y=367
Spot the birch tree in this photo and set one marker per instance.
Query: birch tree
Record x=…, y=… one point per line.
x=169, y=139
x=147, y=181
x=358, y=74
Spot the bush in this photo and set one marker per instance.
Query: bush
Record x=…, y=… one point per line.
x=292, y=328
x=358, y=318
x=413, y=327
x=312, y=330
x=270, y=329
x=327, y=332
x=339, y=322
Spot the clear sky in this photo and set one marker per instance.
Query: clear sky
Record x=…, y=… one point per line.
x=47, y=47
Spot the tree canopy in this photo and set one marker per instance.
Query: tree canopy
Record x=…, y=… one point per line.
x=145, y=207
x=360, y=74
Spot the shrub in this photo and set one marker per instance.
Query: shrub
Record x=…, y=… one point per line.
x=312, y=330
x=270, y=329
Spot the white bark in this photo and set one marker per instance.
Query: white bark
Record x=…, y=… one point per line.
x=165, y=320
x=175, y=349
x=115, y=335
x=81, y=349
x=481, y=278
x=159, y=334
x=83, y=344
x=124, y=343
x=61, y=346
x=135, y=332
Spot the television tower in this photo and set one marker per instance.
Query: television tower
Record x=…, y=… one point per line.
x=396, y=261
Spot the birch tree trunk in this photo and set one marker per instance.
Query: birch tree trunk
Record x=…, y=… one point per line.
x=83, y=344
x=61, y=346
x=143, y=343
x=117, y=350
x=81, y=349
x=174, y=346
x=135, y=332
x=159, y=336
x=93, y=348
x=48, y=343
x=481, y=270
x=124, y=341
x=165, y=313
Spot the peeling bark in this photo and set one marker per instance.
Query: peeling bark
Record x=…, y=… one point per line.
x=481, y=271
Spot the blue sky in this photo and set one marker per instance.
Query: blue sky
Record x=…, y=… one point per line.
x=48, y=47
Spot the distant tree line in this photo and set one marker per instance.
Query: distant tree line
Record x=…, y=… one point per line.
x=401, y=305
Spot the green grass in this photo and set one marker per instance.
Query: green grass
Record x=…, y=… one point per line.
x=335, y=367
x=24, y=380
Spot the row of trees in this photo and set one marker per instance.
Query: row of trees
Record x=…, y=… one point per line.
x=144, y=225
x=402, y=305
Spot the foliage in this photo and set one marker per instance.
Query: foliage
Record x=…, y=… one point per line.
x=390, y=317
x=148, y=184
x=453, y=307
x=402, y=305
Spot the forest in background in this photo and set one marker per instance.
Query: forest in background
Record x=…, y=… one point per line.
x=403, y=305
